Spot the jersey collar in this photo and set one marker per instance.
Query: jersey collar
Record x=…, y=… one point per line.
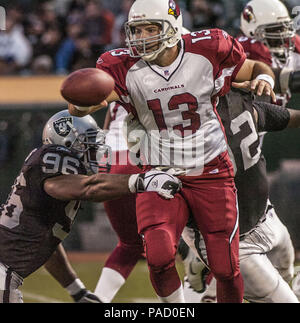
x=166, y=72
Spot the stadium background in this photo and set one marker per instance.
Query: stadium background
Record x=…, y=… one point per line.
x=60, y=36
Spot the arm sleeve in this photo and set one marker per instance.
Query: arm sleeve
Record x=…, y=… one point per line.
x=256, y=50
x=224, y=52
x=114, y=63
x=271, y=117
x=231, y=57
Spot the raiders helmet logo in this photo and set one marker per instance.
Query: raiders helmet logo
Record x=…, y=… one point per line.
x=174, y=9
x=61, y=126
x=248, y=14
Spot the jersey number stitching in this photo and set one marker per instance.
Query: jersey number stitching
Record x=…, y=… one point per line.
x=10, y=215
x=249, y=141
x=13, y=208
x=53, y=163
x=175, y=103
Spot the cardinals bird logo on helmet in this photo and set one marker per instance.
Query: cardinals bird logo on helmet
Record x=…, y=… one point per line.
x=248, y=14
x=174, y=10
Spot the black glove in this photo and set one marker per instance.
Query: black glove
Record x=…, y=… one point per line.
x=85, y=296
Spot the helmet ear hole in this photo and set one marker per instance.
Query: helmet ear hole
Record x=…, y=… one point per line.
x=68, y=144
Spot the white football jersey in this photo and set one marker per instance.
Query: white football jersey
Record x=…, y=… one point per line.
x=177, y=104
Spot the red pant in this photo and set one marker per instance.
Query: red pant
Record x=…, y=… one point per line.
x=211, y=200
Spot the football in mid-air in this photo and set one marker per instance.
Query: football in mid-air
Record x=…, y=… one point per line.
x=87, y=87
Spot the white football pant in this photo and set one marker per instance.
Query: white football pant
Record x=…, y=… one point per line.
x=9, y=283
x=266, y=260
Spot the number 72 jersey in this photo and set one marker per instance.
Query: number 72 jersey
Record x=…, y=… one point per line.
x=32, y=223
x=176, y=104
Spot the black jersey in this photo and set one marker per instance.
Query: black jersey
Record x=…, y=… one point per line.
x=32, y=223
x=237, y=115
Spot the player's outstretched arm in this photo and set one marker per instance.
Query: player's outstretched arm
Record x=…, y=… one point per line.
x=257, y=77
x=271, y=117
x=96, y=188
x=83, y=111
x=104, y=187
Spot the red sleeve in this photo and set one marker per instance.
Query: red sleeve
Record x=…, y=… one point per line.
x=230, y=53
x=231, y=57
x=117, y=63
x=256, y=50
x=221, y=49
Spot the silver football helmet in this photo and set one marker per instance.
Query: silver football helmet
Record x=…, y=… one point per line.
x=164, y=13
x=81, y=135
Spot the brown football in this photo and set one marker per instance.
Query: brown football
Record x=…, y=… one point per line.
x=87, y=86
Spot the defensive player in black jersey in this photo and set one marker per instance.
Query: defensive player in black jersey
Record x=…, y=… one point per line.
x=266, y=251
x=46, y=195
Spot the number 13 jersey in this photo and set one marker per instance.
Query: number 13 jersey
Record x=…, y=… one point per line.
x=176, y=104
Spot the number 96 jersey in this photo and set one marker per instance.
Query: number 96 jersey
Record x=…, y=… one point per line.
x=176, y=103
x=32, y=223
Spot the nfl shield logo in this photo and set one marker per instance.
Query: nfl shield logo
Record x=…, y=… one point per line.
x=61, y=126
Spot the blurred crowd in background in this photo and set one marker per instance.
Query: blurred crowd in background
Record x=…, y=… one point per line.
x=60, y=36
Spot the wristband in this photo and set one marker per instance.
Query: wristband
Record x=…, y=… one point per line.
x=267, y=78
x=131, y=183
x=75, y=287
x=84, y=109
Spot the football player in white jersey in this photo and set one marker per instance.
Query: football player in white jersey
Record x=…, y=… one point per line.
x=171, y=84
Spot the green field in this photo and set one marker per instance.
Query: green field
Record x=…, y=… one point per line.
x=40, y=287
